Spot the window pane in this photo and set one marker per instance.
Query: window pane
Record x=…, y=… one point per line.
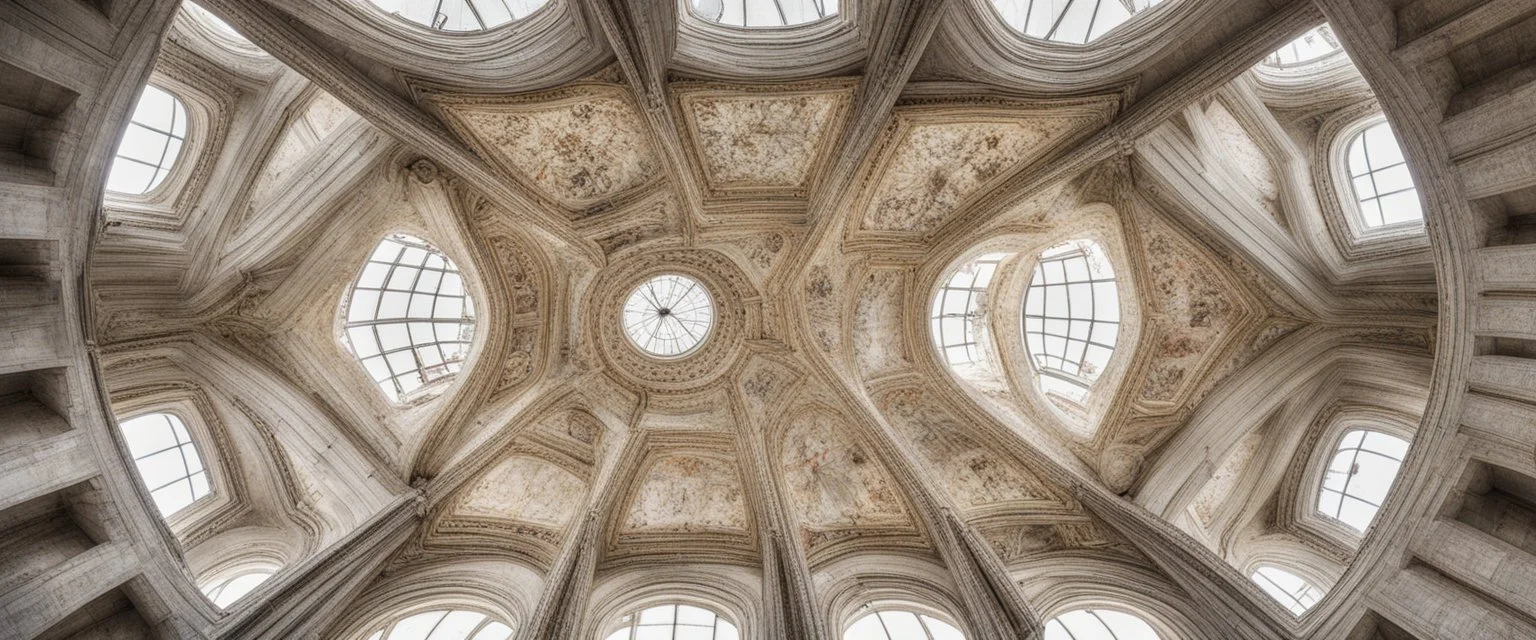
x=150, y=144
x=1070, y=21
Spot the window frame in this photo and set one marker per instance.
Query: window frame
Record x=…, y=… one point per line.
x=1152, y=624
x=1040, y=371
x=1254, y=573
x=1346, y=199
x=629, y=618
x=1303, y=501
x=395, y=17
x=692, y=11
x=192, y=440
x=381, y=627
x=874, y=609
x=1020, y=33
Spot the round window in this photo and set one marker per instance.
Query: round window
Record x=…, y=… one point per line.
x=669, y=316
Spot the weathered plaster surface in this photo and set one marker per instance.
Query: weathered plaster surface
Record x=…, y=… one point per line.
x=833, y=480
x=687, y=493
x=525, y=489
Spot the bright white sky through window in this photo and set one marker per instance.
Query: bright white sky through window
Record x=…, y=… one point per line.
x=1098, y=624
x=956, y=315
x=167, y=460
x=763, y=13
x=445, y=625
x=151, y=143
x=227, y=592
x=1380, y=178
x=409, y=318
x=1312, y=45
x=675, y=622
x=1070, y=21
x=1359, y=476
x=901, y=625
x=460, y=15
x=1287, y=588
x=669, y=315
x=1071, y=317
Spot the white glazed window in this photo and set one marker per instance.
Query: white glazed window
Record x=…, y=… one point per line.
x=444, y=625
x=901, y=625
x=957, y=314
x=1379, y=176
x=229, y=591
x=151, y=143
x=409, y=318
x=763, y=13
x=167, y=460
x=1071, y=318
x=1287, y=588
x=460, y=15
x=1070, y=21
x=674, y=622
x=669, y=316
x=1361, y=472
x=1315, y=44
x=1098, y=624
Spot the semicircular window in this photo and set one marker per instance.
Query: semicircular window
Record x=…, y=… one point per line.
x=958, y=319
x=1071, y=318
x=167, y=460
x=763, y=13
x=901, y=625
x=1098, y=623
x=1069, y=21
x=409, y=319
x=1289, y=589
x=151, y=143
x=1379, y=176
x=228, y=591
x=444, y=625
x=1357, y=480
x=460, y=15
x=1312, y=45
x=674, y=621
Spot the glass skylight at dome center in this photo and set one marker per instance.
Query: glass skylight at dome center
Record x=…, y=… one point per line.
x=669, y=315
x=1070, y=21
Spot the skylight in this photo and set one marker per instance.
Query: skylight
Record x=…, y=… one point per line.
x=445, y=625
x=1380, y=179
x=1069, y=21
x=1098, y=624
x=1287, y=588
x=958, y=318
x=1358, y=478
x=669, y=315
x=901, y=625
x=409, y=319
x=675, y=621
x=150, y=145
x=1071, y=318
x=167, y=460
x=1312, y=45
x=460, y=15
x=763, y=13
x=227, y=592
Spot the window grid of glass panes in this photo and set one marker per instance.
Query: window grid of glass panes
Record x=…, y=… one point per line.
x=151, y=143
x=1359, y=476
x=1315, y=44
x=445, y=625
x=675, y=622
x=901, y=625
x=1098, y=624
x=167, y=460
x=1379, y=175
x=669, y=315
x=764, y=13
x=1071, y=317
x=229, y=591
x=460, y=15
x=409, y=318
x=1070, y=21
x=1289, y=589
x=955, y=310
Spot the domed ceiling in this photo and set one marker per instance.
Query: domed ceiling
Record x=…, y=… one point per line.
x=703, y=275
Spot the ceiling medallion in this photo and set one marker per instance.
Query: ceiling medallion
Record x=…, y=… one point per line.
x=669, y=316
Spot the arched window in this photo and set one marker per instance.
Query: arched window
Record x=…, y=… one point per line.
x=444, y=625
x=1287, y=588
x=409, y=318
x=151, y=143
x=958, y=318
x=1070, y=21
x=460, y=15
x=206, y=16
x=1380, y=179
x=901, y=625
x=168, y=461
x=1312, y=45
x=1071, y=318
x=1098, y=624
x=674, y=622
x=763, y=13
x=1358, y=478
x=226, y=592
